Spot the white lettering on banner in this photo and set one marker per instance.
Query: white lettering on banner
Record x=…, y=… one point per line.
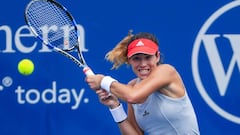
x=222, y=78
x=8, y=32
x=50, y=96
x=18, y=42
x=24, y=32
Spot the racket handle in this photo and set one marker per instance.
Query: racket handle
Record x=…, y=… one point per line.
x=88, y=71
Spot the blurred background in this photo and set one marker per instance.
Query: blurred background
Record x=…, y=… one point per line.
x=200, y=38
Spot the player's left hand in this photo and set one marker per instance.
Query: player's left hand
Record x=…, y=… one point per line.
x=107, y=99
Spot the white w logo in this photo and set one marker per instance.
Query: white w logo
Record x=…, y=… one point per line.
x=222, y=77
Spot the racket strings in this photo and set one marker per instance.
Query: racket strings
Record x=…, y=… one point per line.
x=46, y=14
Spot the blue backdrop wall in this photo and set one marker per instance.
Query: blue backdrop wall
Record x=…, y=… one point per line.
x=200, y=38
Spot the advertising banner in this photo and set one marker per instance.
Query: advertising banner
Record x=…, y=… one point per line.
x=201, y=39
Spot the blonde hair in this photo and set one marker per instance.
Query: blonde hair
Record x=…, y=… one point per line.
x=118, y=55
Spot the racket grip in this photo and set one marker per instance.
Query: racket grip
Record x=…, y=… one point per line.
x=88, y=71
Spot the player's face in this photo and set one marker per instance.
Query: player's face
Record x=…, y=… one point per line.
x=143, y=64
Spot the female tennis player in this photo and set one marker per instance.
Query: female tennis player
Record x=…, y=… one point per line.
x=158, y=103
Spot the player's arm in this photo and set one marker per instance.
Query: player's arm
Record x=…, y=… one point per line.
x=126, y=122
x=127, y=126
x=130, y=126
x=161, y=77
x=131, y=119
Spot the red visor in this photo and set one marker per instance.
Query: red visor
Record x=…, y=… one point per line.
x=142, y=45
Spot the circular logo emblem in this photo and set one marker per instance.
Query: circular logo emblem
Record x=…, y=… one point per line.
x=215, y=72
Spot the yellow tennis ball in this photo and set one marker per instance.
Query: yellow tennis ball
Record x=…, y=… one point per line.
x=25, y=67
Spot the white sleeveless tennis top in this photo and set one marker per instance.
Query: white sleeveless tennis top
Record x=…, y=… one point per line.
x=163, y=115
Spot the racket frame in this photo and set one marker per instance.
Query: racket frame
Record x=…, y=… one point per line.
x=81, y=61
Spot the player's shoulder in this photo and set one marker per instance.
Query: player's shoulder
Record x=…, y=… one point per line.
x=166, y=67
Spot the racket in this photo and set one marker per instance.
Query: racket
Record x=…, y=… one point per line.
x=53, y=24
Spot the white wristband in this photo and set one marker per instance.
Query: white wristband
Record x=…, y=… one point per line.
x=106, y=83
x=118, y=114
